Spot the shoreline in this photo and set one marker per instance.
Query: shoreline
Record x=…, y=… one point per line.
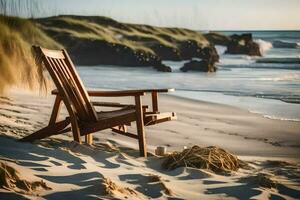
x=257, y=103
x=199, y=123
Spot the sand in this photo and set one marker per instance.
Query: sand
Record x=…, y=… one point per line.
x=111, y=168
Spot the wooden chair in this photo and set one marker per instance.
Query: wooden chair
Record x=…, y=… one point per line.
x=83, y=117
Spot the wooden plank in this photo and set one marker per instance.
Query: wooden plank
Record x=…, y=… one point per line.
x=125, y=133
x=71, y=89
x=111, y=104
x=102, y=124
x=52, y=129
x=154, y=101
x=130, y=92
x=55, y=110
x=89, y=139
x=53, y=53
x=91, y=111
x=115, y=93
x=140, y=127
x=76, y=91
x=75, y=130
x=157, y=90
x=151, y=119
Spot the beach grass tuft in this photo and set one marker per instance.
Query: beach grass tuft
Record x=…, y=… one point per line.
x=10, y=180
x=211, y=158
x=17, y=66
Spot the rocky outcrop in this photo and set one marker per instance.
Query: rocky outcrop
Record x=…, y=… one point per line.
x=236, y=44
x=210, y=54
x=283, y=44
x=201, y=66
x=165, y=52
x=243, y=44
x=217, y=38
x=86, y=51
x=163, y=68
x=209, y=57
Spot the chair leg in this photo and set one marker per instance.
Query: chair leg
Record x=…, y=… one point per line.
x=75, y=130
x=89, y=139
x=140, y=127
x=49, y=130
x=55, y=110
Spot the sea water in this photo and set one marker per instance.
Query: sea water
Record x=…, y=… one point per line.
x=271, y=89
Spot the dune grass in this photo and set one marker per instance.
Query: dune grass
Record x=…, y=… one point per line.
x=17, y=66
x=10, y=180
x=135, y=36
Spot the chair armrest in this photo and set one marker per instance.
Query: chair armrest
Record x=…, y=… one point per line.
x=157, y=90
x=121, y=93
x=110, y=104
x=138, y=92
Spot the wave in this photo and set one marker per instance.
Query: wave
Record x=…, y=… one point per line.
x=284, y=77
x=264, y=46
x=275, y=117
x=292, y=99
x=279, y=60
x=220, y=49
x=260, y=66
x=284, y=44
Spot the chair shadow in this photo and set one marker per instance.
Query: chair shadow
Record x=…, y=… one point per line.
x=29, y=154
x=100, y=155
x=89, y=183
x=247, y=190
x=244, y=191
x=282, y=189
x=11, y=195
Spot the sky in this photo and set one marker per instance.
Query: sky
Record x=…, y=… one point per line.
x=193, y=14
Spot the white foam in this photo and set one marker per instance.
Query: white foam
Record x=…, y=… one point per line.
x=284, y=77
x=220, y=49
x=285, y=44
x=264, y=46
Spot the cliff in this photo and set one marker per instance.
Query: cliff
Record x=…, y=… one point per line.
x=93, y=40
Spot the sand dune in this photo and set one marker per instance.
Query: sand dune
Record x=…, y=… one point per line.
x=111, y=169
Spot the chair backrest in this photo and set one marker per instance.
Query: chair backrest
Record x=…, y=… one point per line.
x=68, y=83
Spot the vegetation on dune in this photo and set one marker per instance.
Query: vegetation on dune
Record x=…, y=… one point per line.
x=217, y=38
x=153, y=43
x=17, y=66
x=103, y=28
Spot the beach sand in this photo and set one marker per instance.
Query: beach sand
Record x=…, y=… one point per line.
x=111, y=168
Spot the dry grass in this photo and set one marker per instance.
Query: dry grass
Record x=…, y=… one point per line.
x=10, y=180
x=211, y=158
x=136, y=37
x=112, y=189
x=17, y=66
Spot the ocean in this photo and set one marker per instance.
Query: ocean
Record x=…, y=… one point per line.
x=270, y=89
